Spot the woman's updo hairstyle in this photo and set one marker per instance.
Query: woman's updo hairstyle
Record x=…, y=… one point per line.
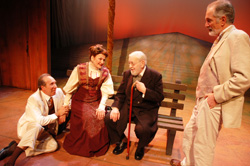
x=97, y=49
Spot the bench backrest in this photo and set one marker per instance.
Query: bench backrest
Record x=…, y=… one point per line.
x=172, y=93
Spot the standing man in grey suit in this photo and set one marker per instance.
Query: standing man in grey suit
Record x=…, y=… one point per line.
x=40, y=122
x=147, y=97
x=224, y=78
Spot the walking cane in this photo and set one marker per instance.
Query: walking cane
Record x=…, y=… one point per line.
x=129, y=122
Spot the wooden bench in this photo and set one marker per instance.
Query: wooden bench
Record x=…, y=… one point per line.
x=172, y=96
x=170, y=122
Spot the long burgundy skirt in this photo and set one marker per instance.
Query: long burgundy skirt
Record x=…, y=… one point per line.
x=88, y=136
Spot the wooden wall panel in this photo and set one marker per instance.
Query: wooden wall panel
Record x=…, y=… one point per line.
x=37, y=18
x=13, y=59
x=23, y=44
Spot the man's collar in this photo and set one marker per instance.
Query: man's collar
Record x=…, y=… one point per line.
x=46, y=97
x=143, y=71
x=224, y=30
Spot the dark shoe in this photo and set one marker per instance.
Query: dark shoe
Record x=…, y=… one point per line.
x=120, y=148
x=7, y=151
x=175, y=162
x=139, y=153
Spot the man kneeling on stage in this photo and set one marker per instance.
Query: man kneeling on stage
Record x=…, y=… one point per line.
x=42, y=120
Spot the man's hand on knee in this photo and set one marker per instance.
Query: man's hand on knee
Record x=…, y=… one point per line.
x=115, y=114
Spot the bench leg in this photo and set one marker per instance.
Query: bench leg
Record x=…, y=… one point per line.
x=170, y=141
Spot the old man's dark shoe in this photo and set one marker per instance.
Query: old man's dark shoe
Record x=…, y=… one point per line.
x=120, y=148
x=139, y=153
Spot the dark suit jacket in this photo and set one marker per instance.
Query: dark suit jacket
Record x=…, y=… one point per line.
x=144, y=109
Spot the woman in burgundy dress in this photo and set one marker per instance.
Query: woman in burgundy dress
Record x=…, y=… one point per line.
x=89, y=85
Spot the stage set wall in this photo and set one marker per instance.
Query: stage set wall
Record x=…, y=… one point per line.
x=31, y=29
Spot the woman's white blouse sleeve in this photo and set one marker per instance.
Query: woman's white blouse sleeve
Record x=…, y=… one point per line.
x=71, y=86
x=107, y=89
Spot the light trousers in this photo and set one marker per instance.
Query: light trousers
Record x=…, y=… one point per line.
x=200, y=135
x=37, y=140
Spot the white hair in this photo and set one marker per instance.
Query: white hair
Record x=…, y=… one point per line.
x=140, y=55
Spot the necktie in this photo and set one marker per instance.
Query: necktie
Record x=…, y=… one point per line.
x=137, y=78
x=51, y=106
x=51, y=128
x=218, y=39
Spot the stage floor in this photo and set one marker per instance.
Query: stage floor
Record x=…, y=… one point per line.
x=233, y=145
